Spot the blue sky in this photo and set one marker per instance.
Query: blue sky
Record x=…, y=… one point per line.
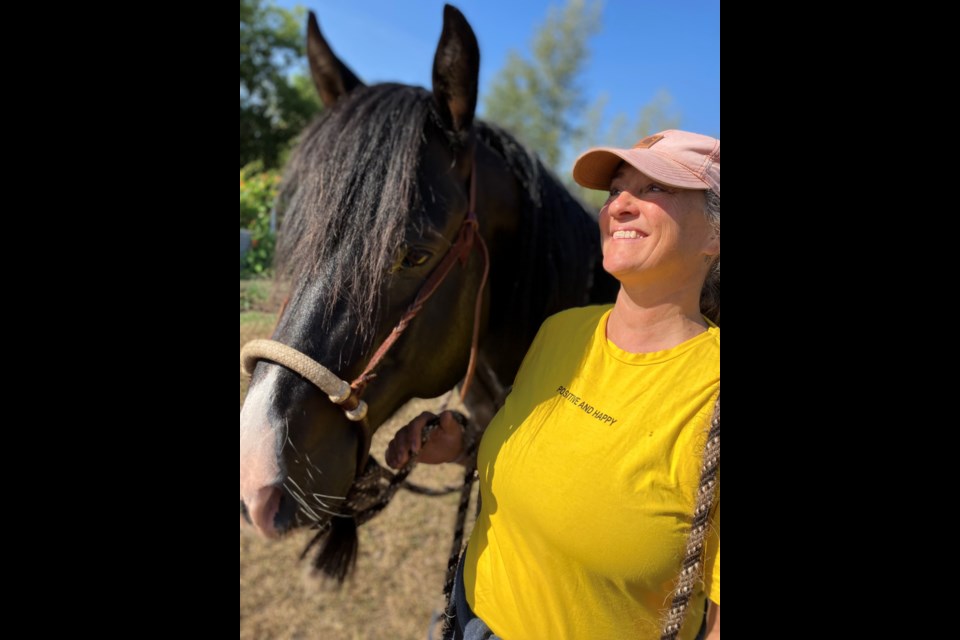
x=643, y=47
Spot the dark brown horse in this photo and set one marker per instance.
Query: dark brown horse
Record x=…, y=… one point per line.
x=377, y=199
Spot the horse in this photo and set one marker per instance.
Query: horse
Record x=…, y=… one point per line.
x=391, y=186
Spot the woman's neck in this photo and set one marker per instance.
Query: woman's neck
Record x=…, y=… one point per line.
x=643, y=323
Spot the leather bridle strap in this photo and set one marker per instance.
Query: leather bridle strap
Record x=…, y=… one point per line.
x=460, y=250
x=478, y=304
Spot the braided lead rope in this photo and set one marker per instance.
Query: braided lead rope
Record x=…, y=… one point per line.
x=693, y=562
x=373, y=489
x=469, y=475
x=430, y=492
x=376, y=487
x=469, y=458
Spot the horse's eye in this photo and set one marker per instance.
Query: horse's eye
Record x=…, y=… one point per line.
x=415, y=258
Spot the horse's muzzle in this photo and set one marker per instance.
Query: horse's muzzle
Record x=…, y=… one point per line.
x=270, y=511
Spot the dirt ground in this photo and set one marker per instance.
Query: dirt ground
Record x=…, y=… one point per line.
x=398, y=583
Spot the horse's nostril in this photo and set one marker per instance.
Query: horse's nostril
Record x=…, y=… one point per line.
x=245, y=513
x=283, y=521
x=262, y=505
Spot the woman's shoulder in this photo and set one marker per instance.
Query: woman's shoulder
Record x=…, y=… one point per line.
x=575, y=319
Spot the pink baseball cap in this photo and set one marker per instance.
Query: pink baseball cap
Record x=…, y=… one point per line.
x=675, y=158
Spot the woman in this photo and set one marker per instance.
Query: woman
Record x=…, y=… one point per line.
x=593, y=475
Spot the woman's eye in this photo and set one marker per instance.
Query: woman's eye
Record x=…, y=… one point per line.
x=415, y=258
x=614, y=192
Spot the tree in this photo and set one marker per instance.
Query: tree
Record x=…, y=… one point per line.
x=275, y=105
x=655, y=116
x=540, y=101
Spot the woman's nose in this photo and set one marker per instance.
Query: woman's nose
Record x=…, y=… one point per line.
x=621, y=205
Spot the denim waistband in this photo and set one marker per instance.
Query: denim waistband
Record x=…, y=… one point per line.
x=468, y=626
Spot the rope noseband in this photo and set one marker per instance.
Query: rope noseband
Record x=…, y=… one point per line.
x=336, y=389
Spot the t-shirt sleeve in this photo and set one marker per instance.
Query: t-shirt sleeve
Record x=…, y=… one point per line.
x=711, y=569
x=535, y=349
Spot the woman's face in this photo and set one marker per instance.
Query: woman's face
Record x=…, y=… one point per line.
x=652, y=232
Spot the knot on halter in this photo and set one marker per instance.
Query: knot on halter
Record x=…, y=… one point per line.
x=360, y=384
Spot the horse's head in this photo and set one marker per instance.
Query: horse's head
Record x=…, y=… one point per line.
x=375, y=196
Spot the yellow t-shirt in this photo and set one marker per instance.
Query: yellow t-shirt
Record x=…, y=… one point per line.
x=588, y=475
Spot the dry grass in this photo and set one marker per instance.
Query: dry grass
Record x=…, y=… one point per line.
x=398, y=583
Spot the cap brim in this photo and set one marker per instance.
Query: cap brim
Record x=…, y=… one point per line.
x=595, y=168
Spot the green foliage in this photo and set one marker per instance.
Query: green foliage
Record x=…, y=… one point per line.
x=254, y=294
x=654, y=116
x=258, y=191
x=540, y=100
x=259, y=258
x=274, y=105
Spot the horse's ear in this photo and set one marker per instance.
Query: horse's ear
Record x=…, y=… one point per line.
x=455, y=70
x=332, y=78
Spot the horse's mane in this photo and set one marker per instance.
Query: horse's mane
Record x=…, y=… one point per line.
x=352, y=180
x=560, y=242
x=347, y=192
